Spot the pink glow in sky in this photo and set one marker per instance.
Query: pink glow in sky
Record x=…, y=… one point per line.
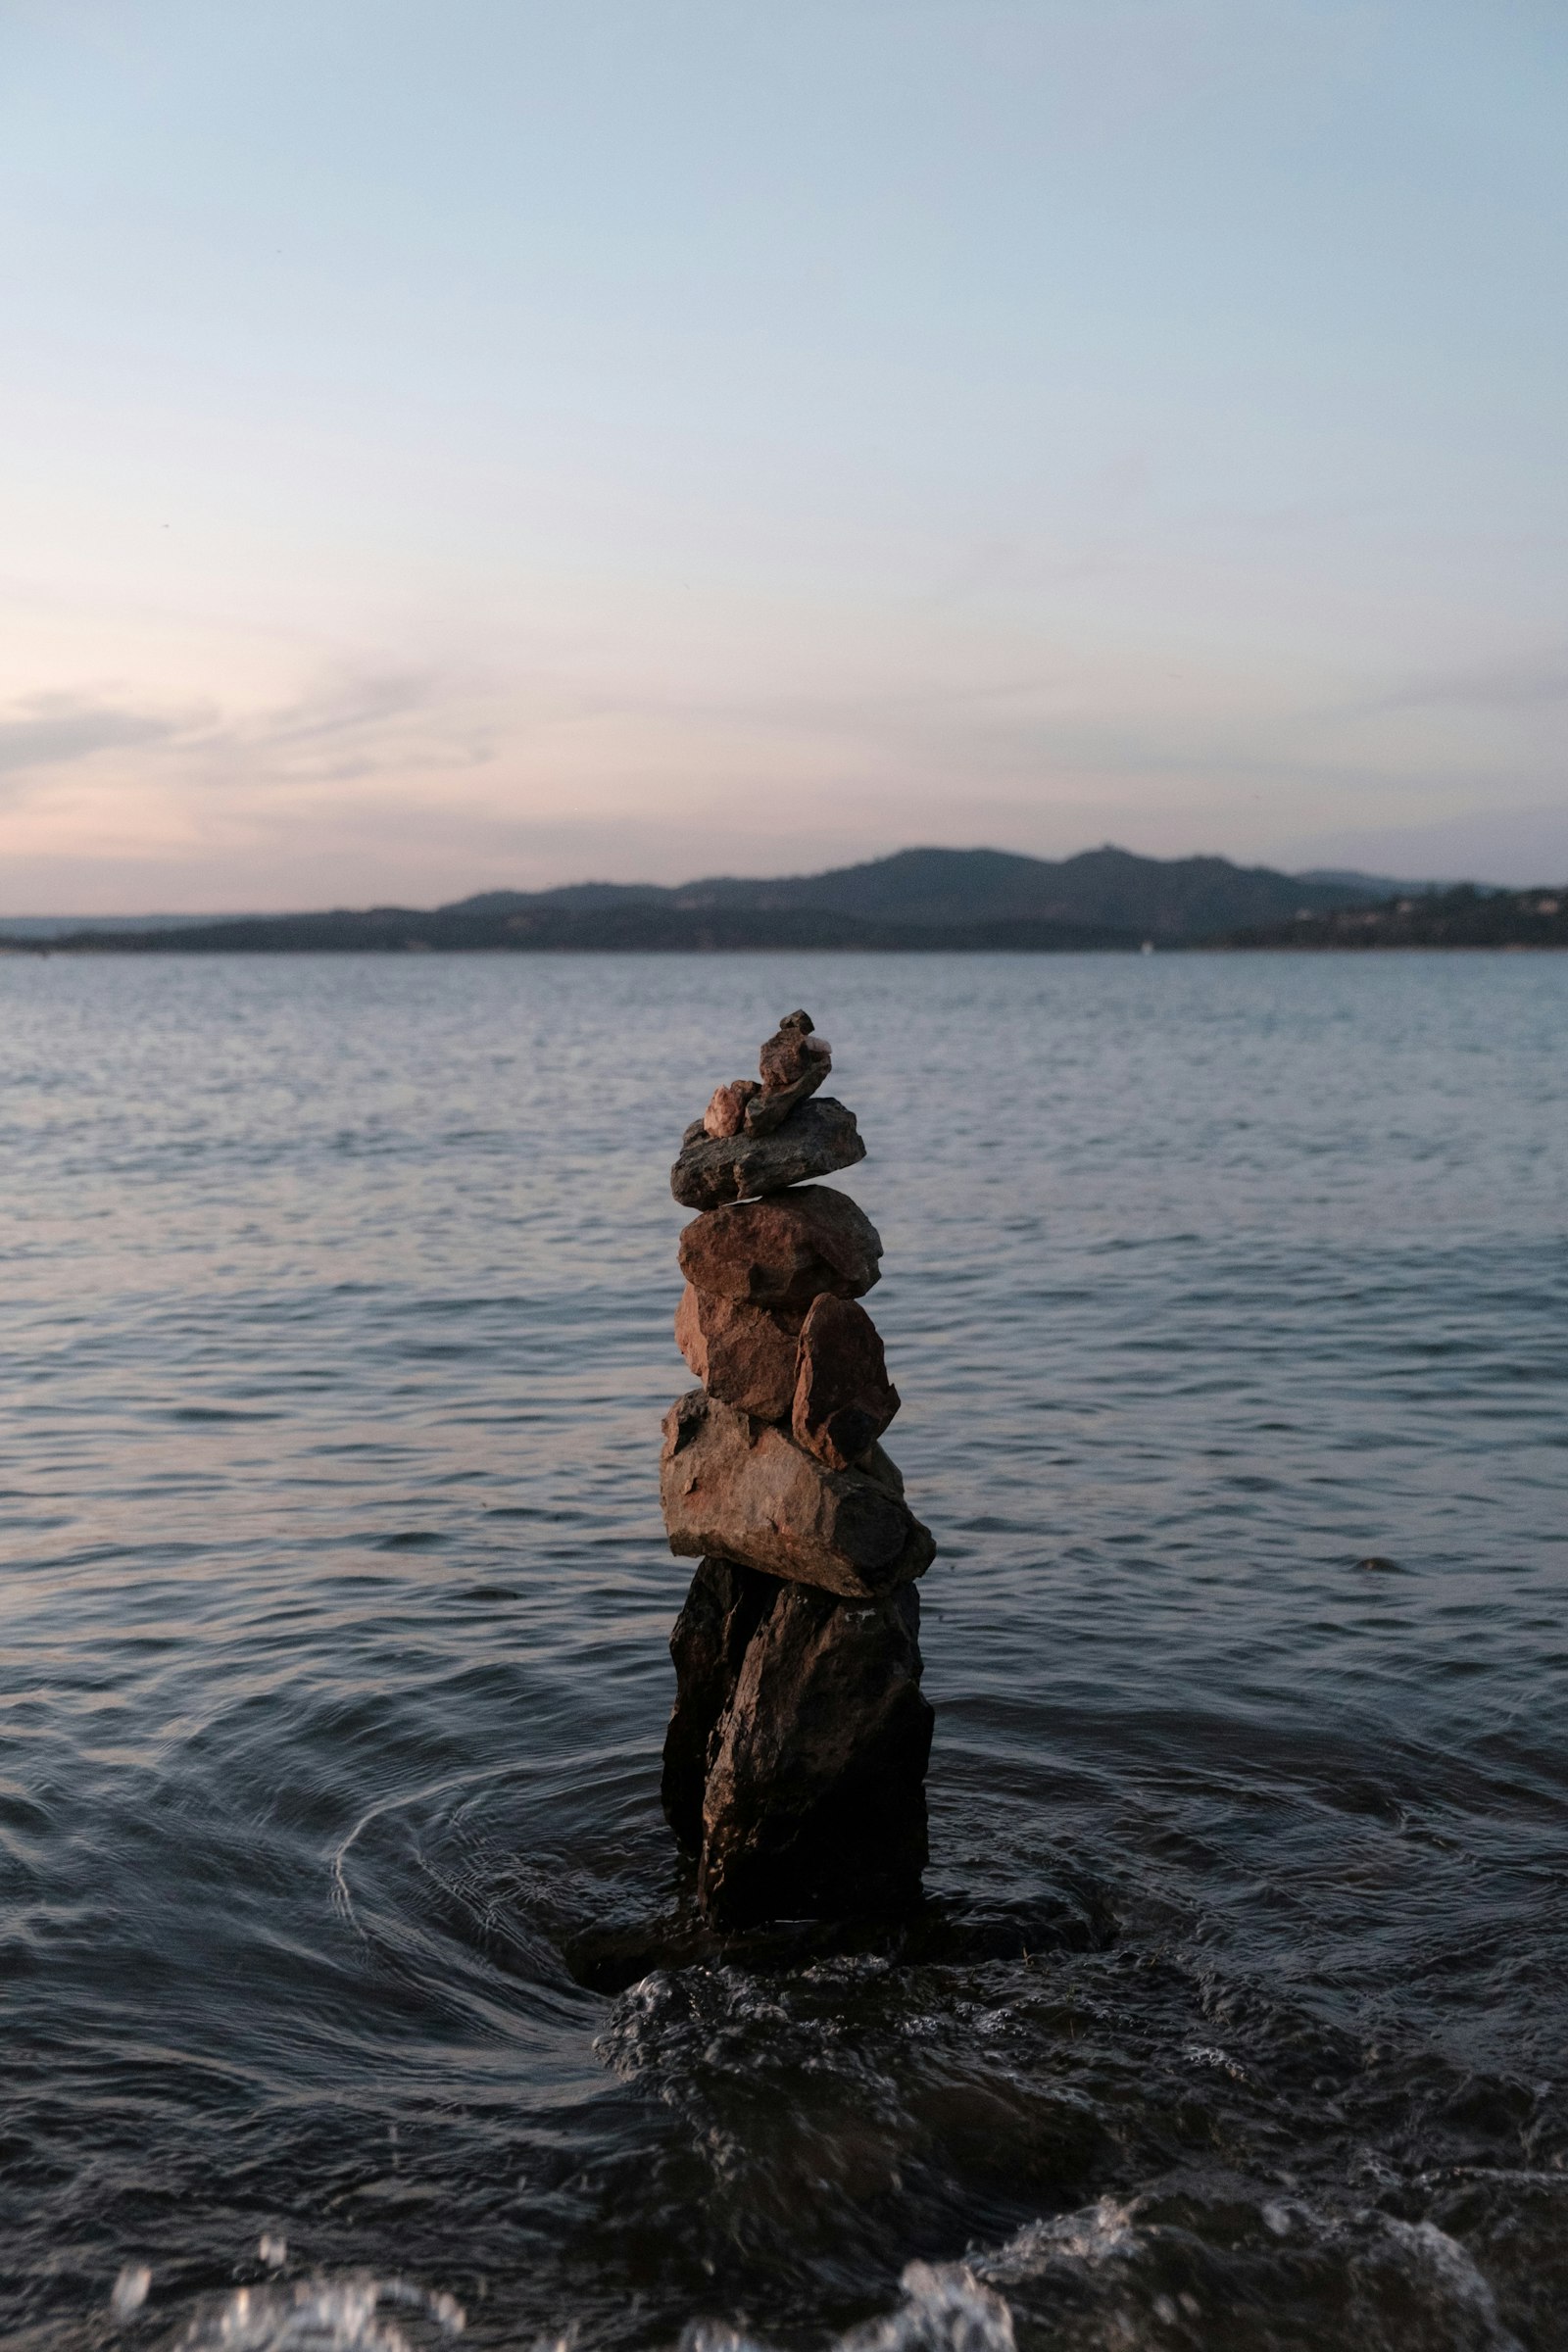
x=506, y=444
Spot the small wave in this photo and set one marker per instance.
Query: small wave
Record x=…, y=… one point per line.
x=1132, y=2260
x=1095, y=2235
x=942, y=2307
x=345, y=2315
x=1120, y=2273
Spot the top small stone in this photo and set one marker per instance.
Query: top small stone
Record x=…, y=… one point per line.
x=756, y=1138
x=794, y=1063
x=789, y=1051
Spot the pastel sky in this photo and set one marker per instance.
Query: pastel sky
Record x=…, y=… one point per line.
x=514, y=441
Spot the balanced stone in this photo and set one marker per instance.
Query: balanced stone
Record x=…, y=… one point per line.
x=794, y=1064
x=723, y=1609
x=815, y=1802
x=785, y=1250
x=726, y=1111
x=783, y=1056
x=745, y=1355
x=843, y=1398
x=742, y=1490
x=817, y=1138
x=796, y=1756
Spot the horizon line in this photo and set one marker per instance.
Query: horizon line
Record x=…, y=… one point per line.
x=155, y=917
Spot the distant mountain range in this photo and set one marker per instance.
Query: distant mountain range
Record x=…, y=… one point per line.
x=917, y=899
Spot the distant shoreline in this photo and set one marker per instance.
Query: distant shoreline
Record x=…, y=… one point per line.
x=917, y=901
x=763, y=947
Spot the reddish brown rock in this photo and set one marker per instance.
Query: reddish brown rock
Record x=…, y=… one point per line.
x=767, y=1111
x=815, y=1802
x=726, y=1112
x=808, y=1059
x=786, y=1055
x=843, y=1397
x=724, y=1607
x=783, y=1251
x=817, y=1138
x=741, y=1490
x=745, y=1355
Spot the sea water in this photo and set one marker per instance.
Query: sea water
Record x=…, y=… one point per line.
x=1227, y=1296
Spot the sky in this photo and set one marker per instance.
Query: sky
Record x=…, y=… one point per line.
x=506, y=442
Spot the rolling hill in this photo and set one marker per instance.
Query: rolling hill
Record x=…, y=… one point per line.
x=929, y=899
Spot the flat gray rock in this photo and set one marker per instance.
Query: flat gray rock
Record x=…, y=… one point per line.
x=817, y=1137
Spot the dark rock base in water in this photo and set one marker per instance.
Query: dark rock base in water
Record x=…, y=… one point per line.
x=795, y=1761
x=724, y=1607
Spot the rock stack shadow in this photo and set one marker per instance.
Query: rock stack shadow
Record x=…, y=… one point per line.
x=794, y=1772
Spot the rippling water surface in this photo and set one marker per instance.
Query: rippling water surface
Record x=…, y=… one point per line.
x=1227, y=1297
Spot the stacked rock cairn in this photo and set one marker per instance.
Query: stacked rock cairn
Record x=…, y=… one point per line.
x=795, y=1761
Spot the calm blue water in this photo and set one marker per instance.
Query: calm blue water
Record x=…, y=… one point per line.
x=335, y=1325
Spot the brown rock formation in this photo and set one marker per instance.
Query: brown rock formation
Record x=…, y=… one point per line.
x=744, y=1355
x=795, y=1760
x=783, y=1251
x=843, y=1398
x=743, y=1490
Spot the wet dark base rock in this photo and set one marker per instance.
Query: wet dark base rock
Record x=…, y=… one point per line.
x=816, y=1795
x=724, y=1607
x=795, y=1760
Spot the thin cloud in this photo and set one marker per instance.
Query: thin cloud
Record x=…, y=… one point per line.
x=1503, y=686
x=344, y=706
x=52, y=730
x=349, y=726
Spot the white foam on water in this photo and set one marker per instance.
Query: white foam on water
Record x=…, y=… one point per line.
x=1094, y=2234
x=1432, y=2249
x=942, y=2307
x=1089, y=2243
x=945, y=2308
x=1206, y=2054
x=345, y=2315
x=129, y=2291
